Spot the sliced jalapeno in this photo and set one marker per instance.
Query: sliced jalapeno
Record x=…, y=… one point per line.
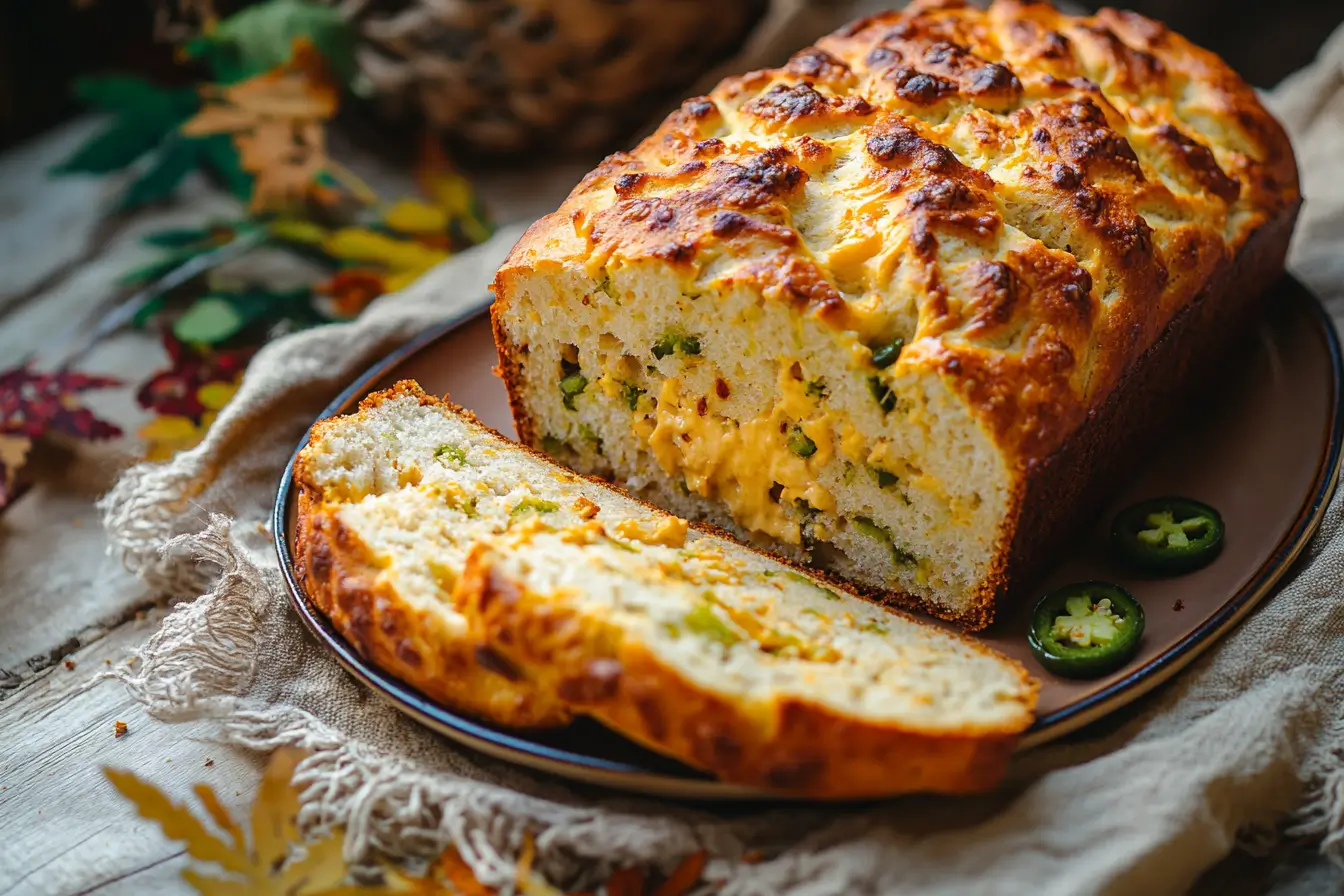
x=1086, y=630
x=1167, y=535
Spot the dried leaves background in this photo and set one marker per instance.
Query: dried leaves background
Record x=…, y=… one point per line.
x=270, y=858
x=279, y=72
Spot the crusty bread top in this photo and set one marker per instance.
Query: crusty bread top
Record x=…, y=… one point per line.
x=422, y=484
x=1025, y=197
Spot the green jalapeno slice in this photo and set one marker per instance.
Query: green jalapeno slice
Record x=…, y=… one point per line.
x=1167, y=535
x=1086, y=630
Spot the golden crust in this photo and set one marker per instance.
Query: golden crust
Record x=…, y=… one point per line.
x=801, y=748
x=1136, y=164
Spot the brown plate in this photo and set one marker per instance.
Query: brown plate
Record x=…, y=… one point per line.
x=1264, y=451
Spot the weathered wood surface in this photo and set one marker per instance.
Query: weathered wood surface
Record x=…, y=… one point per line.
x=63, y=828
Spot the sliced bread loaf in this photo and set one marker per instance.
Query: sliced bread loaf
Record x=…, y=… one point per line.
x=505, y=585
x=908, y=307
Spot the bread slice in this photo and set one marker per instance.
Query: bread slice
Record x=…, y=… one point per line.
x=906, y=307
x=544, y=594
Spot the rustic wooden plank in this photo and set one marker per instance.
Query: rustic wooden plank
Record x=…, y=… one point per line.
x=45, y=224
x=64, y=829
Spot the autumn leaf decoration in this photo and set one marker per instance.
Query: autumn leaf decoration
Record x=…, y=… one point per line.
x=271, y=859
x=278, y=71
x=257, y=129
x=33, y=405
x=188, y=394
x=143, y=136
x=276, y=120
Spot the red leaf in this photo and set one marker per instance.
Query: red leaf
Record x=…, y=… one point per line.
x=173, y=391
x=33, y=404
x=626, y=882
x=684, y=876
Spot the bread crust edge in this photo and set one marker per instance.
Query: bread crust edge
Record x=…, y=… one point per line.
x=789, y=746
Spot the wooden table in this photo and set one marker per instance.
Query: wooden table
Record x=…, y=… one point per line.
x=69, y=612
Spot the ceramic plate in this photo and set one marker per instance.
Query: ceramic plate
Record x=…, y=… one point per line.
x=1265, y=451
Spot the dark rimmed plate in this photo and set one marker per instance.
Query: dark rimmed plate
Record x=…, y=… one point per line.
x=1265, y=451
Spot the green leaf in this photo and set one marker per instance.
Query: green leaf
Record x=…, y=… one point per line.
x=153, y=270
x=111, y=149
x=219, y=316
x=147, y=114
x=118, y=93
x=177, y=237
x=261, y=37
x=222, y=59
x=147, y=311
x=210, y=321
x=173, y=163
x=219, y=153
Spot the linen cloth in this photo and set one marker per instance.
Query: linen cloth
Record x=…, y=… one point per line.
x=1245, y=744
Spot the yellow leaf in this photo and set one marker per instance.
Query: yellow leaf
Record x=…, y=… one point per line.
x=165, y=436
x=276, y=808
x=13, y=452
x=451, y=192
x=221, y=817
x=321, y=868
x=439, y=181
x=208, y=885
x=277, y=865
x=525, y=857
x=217, y=394
x=361, y=244
x=415, y=217
x=528, y=883
x=217, y=120
x=176, y=822
x=476, y=230
x=167, y=428
x=395, y=282
x=294, y=230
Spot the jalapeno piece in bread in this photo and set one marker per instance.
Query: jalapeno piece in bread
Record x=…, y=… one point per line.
x=1086, y=630
x=1167, y=535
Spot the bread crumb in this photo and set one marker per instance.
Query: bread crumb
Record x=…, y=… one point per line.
x=1179, y=605
x=209, y=763
x=119, y=728
x=107, y=662
x=70, y=664
x=753, y=857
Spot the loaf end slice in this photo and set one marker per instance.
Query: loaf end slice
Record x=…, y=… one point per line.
x=378, y=550
x=570, y=596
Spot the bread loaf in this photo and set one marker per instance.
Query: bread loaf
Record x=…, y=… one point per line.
x=905, y=307
x=504, y=585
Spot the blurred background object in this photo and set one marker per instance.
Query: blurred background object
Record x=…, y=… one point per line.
x=519, y=78
x=507, y=76
x=1263, y=42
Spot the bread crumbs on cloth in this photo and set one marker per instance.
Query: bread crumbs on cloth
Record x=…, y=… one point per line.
x=119, y=728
